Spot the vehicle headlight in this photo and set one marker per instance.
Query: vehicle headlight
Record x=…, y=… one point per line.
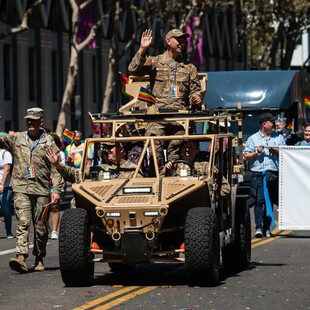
x=137, y=190
x=113, y=214
x=150, y=213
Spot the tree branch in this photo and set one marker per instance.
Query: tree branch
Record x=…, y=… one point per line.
x=85, y=4
x=91, y=35
x=24, y=24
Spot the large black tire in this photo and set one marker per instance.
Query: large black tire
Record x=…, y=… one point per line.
x=75, y=258
x=202, y=247
x=237, y=256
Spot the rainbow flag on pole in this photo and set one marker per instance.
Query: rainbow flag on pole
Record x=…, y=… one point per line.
x=146, y=95
x=44, y=213
x=67, y=135
x=123, y=81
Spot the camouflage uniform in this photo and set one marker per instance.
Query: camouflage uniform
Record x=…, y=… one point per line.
x=202, y=168
x=124, y=171
x=31, y=194
x=164, y=73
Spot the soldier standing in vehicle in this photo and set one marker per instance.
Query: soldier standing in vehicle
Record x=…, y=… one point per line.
x=262, y=152
x=31, y=187
x=173, y=81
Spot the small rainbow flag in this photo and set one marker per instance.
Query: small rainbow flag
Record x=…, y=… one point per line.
x=67, y=135
x=146, y=95
x=307, y=102
x=44, y=213
x=290, y=126
x=123, y=81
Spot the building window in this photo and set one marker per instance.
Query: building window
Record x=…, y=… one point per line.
x=7, y=71
x=32, y=74
x=55, y=75
x=95, y=79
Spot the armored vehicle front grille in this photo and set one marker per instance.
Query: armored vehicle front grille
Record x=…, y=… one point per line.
x=103, y=190
x=134, y=200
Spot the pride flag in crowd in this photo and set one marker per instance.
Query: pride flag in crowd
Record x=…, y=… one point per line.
x=307, y=102
x=44, y=213
x=67, y=135
x=123, y=81
x=146, y=95
x=290, y=126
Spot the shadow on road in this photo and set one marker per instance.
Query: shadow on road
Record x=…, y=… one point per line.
x=154, y=275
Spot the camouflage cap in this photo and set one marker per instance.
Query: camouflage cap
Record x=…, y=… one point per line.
x=34, y=113
x=176, y=33
x=111, y=144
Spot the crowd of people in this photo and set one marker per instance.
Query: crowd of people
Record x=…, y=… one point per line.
x=35, y=165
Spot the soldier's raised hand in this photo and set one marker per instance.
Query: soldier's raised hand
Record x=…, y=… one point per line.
x=146, y=39
x=52, y=156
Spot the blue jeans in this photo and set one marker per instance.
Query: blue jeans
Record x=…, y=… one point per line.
x=6, y=201
x=257, y=199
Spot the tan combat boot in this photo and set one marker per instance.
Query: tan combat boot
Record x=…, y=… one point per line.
x=39, y=266
x=19, y=264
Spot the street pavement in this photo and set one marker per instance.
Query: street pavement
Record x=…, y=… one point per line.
x=278, y=279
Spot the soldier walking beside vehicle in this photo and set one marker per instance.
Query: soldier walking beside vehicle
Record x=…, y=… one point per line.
x=262, y=152
x=31, y=187
x=173, y=81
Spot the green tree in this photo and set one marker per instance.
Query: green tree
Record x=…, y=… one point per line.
x=75, y=49
x=273, y=28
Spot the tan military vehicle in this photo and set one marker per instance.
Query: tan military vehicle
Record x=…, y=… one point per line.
x=147, y=215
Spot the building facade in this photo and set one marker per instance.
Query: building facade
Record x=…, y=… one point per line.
x=34, y=63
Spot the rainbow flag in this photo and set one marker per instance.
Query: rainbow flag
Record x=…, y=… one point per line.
x=146, y=95
x=307, y=102
x=123, y=81
x=290, y=126
x=44, y=213
x=67, y=135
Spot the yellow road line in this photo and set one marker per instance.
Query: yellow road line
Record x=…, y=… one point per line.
x=115, y=302
x=126, y=298
x=264, y=241
x=107, y=297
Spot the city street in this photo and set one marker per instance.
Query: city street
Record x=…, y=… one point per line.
x=278, y=279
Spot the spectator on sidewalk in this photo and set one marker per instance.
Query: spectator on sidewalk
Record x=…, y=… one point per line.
x=6, y=162
x=74, y=151
x=306, y=141
x=262, y=152
x=55, y=208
